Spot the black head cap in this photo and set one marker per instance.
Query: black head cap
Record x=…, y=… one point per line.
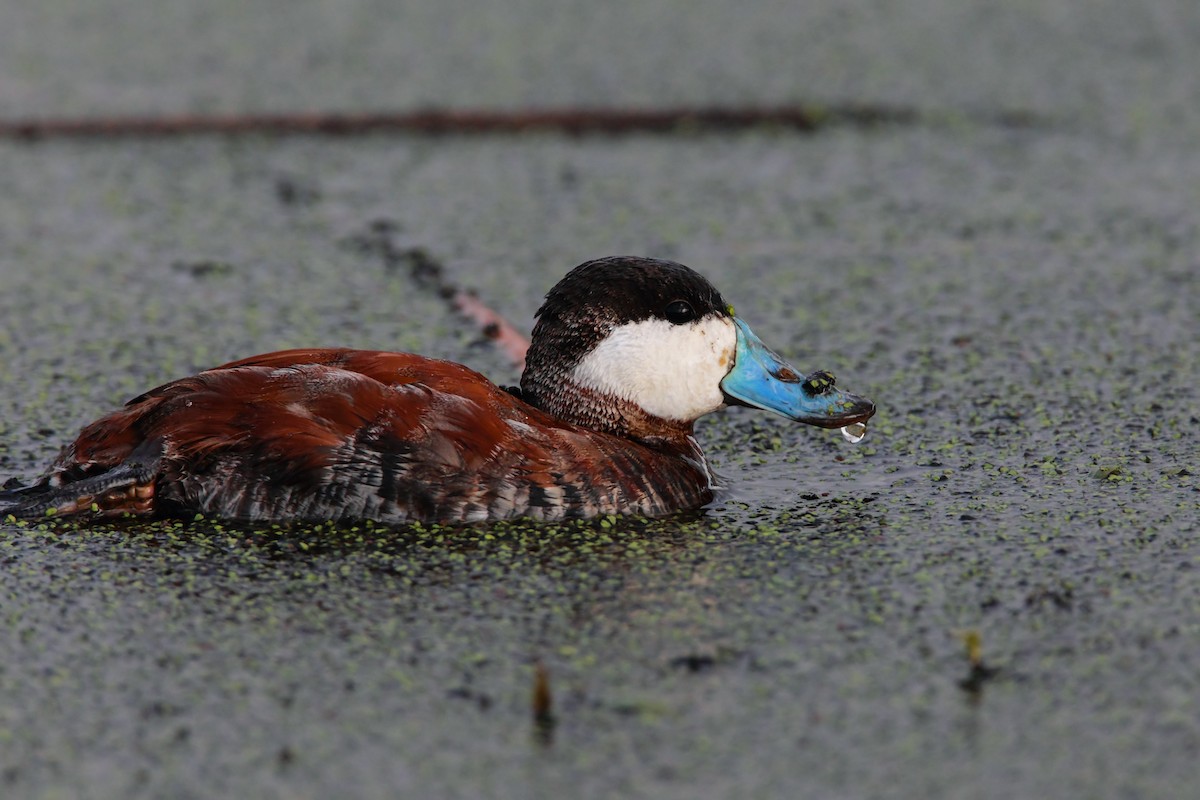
x=603, y=294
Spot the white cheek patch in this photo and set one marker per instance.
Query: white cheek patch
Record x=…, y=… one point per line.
x=672, y=372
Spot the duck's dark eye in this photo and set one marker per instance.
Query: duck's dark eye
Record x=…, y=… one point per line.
x=680, y=312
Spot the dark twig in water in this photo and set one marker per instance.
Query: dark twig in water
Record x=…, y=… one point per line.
x=574, y=121
x=495, y=327
x=430, y=274
x=980, y=673
x=542, y=705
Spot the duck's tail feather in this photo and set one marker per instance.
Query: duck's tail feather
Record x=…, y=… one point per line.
x=126, y=489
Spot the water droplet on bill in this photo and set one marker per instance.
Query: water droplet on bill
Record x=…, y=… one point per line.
x=855, y=433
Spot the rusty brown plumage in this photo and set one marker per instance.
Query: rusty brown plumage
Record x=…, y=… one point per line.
x=348, y=434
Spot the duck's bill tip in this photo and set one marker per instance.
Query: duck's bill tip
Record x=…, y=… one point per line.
x=847, y=409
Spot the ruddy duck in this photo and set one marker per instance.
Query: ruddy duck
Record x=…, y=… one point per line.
x=625, y=355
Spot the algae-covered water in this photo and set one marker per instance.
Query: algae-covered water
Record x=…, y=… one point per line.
x=996, y=594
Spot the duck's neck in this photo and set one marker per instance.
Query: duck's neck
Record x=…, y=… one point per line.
x=588, y=408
